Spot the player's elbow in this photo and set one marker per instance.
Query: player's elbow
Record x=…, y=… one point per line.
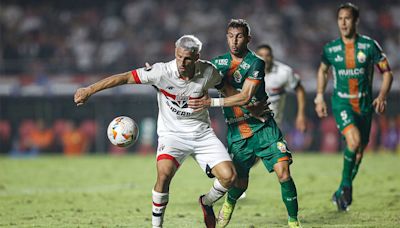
x=245, y=99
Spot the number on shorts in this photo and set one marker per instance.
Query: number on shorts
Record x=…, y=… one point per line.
x=343, y=114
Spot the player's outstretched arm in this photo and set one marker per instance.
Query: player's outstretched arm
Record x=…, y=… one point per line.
x=379, y=102
x=301, y=105
x=83, y=94
x=322, y=79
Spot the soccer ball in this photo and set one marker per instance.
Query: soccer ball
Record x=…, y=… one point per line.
x=122, y=131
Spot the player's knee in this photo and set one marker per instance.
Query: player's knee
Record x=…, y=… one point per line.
x=164, y=177
x=227, y=178
x=354, y=145
x=284, y=176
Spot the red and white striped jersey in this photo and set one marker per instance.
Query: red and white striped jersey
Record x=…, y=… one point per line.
x=174, y=116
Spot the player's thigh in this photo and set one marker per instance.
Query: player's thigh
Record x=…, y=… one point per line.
x=209, y=152
x=173, y=148
x=243, y=157
x=276, y=153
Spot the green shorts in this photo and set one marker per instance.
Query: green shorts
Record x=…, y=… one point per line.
x=346, y=118
x=267, y=144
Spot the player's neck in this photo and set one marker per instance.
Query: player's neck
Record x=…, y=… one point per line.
x=350, y=38
x=239, y=56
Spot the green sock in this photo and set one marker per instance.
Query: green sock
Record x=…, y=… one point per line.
x=348, y=166
x=355, y=170
x=234, y=194
x=289, y=197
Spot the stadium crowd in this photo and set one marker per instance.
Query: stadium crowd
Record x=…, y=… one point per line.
x=57, y=37
x=42, y=40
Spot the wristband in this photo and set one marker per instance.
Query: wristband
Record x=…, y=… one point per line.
x=217, y=102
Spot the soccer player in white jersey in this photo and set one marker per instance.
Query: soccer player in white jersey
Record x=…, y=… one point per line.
x=278, y=78
x=181, y=131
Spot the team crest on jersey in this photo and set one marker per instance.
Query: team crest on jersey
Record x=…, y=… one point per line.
x=181, y=101
x=244, y=65
x=237, y=76
x=281, y=146
x=361, y=57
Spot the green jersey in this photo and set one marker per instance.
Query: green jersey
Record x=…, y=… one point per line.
x=353, y=68
x=240, y=123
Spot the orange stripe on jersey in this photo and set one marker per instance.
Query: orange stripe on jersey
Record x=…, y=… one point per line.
x=136, y=77
x=286, y=158
x=244, y=128
x=353, y=90
x=233, y=67
x=347, y=128
x=350, y=56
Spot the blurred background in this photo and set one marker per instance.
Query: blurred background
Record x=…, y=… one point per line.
x=49, y=49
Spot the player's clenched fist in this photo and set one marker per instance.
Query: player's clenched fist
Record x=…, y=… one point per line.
x=81, y=95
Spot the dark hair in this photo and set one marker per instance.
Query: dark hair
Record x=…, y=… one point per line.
x=266, y=46
x=353, y=8
x=240, y=23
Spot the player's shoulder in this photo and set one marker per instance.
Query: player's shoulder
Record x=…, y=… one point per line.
x=283, y=66
x=253, y=57
x=204, y=64
x=332, y=43
x=363, y=39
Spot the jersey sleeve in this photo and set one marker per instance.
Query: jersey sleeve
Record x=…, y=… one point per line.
x=324, y=56
x=215, y=80
x=379, y=58
x=148, y=75
x=256, y=71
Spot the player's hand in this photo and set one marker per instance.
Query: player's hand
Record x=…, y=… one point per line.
x=81, y=95
x=379, y=104
x=199, y=104
x=301, y=123
x=320, y=106
x=259, y=109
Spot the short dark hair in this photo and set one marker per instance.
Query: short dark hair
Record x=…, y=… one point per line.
x=240, y=23
x=266, y=46
x=353, y=8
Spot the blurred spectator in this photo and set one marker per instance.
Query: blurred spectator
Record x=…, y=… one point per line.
x=74, y=140
x=5, y=136
x=34, y=137
x=147, y=136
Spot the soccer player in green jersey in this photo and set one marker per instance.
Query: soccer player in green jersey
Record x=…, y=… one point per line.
x=352, y=57
x=249, y=137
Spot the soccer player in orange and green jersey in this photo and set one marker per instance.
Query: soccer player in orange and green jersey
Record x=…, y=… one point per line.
x=352, y=58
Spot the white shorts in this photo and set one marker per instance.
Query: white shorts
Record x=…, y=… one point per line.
x=207, y=150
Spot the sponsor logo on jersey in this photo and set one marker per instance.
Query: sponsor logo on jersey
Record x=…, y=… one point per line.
x=177, y=111
x=245, y=65
x=281, y=146
x=223, y=62
x=170, y=87
x=351, y=72
x=237, y=76
x=335, y=48
x=361, y=57
x=339, y=58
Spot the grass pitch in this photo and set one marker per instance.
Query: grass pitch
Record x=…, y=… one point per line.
x=106, y=191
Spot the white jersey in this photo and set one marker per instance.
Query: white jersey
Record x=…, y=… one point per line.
x=174, y=116
x=277, y=81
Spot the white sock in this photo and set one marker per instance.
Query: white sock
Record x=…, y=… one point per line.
x=160, y=201
x=216, y=192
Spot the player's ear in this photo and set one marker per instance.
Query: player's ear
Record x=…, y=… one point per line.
x=248, y=39
x=197, y=57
